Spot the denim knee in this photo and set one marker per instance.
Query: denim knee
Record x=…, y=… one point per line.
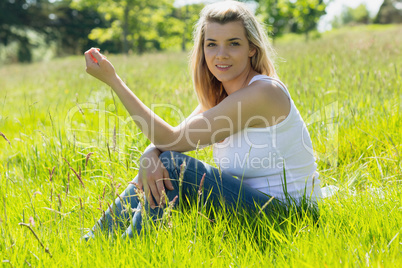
x=169, y=160
x=172, y=160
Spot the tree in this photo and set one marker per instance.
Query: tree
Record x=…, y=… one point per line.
x=188, y=16
x=73, y=27
x=349, y=15
x=390, y=12
x=299, y=16
x=276, y=14
x=144, y=25
x=306, y=14
x=19, y=18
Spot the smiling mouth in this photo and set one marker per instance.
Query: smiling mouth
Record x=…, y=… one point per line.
x=223, y=67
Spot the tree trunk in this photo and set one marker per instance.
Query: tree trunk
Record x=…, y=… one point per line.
x=141, y=44
x=125, y=29
x=306, y=36
x=184, y=40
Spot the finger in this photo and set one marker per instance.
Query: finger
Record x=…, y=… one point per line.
x=155, y=194
x=139, y=183
x=93, y=58
x=96, y=54
x=149, y=196
x=103, y=56
x=90, y=64
x=92, y=48
x=86, y=58
x=89, y=59
x=161, y=188
x=167, y=181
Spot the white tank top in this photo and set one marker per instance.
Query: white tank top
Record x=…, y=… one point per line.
x=267, y=157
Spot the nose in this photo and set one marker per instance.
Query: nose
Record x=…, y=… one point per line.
x=222, y=53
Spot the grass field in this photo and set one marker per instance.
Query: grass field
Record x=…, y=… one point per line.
x=346, y=85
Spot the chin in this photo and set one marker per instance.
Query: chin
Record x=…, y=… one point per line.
x=225, y=78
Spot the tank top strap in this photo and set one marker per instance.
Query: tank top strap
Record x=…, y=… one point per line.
x=271, y=79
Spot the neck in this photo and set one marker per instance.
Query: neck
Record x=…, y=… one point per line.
x=240, y=82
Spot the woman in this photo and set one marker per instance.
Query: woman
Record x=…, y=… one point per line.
x=244, y=111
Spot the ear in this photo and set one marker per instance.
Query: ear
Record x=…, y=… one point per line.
x=252, y=52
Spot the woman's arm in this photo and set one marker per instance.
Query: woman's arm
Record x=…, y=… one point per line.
x=253, y=105
x=152, y=146
x=154, y=175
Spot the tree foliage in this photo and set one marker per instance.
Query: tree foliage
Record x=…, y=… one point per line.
x=306, y=14
x=349, y=15
x=298, y=16
x=276, y=14
x=73, y=26
x=141, y=25
x=28, y=23
x=390, y=12
x=130, y=25
x=20, y=17
x=188, y=16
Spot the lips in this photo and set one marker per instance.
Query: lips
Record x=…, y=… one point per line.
x=223, y=67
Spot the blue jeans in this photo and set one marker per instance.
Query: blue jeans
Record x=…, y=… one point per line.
x=224, y=189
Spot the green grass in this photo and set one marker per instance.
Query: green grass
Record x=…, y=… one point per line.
x=346, y=85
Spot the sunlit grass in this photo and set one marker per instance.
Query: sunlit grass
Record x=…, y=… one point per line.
x=347, y=86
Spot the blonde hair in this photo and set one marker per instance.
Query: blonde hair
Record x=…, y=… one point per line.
x=209, y=90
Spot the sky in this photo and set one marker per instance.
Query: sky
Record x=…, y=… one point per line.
x=333, y=9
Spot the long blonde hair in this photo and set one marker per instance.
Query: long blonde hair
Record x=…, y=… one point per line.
x=209, y=90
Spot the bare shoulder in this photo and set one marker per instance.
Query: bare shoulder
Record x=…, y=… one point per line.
x=272, y=98
x=269, y=89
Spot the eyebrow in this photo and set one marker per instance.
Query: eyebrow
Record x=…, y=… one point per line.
x=231, y=39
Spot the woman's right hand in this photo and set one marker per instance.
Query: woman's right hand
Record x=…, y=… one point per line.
x=99, y=67
x=153, y=177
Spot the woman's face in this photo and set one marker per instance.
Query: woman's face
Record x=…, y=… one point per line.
x=227, y=51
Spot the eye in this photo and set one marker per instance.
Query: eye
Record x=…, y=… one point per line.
x=234, y=44
x=211, y=44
